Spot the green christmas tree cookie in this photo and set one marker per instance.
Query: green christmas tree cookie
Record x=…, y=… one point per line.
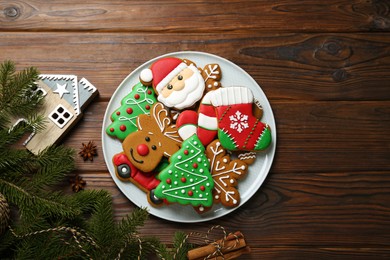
x=124, y=119
x=187, y=179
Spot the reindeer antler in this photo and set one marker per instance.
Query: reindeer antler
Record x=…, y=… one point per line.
x=163, y=121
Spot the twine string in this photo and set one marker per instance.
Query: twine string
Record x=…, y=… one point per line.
x=75, y=234
x=219, y=246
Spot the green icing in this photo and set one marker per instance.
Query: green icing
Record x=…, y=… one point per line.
x=264, y=141
x=187, y=179
x=226, y=141
x=124, y=119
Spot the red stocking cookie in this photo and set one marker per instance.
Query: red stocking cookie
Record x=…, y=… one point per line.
x=238, y=128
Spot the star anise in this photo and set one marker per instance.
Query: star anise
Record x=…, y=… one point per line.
x=78, y=183
x=88, y=151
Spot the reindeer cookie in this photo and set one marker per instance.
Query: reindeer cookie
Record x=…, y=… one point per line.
x=156, y=137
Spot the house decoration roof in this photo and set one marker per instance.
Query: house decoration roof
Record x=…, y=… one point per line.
x=76, y=93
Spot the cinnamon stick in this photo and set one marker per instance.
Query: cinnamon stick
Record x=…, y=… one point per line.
x=233, y=254
x=232, y=242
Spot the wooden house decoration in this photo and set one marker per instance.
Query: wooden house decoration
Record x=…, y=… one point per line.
x=64, y=100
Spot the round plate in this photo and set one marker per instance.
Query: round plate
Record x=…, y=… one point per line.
x=232, y=75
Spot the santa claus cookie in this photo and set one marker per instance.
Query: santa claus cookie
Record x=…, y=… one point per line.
x=177, y=84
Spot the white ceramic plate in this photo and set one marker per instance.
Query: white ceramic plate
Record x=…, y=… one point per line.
x=231, y=75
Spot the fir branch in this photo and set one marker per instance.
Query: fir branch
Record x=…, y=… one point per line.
x=17, y=97
x=31, y=124
x=101, y=224
x=52, y=166
x=30, y=204
x=7, y=69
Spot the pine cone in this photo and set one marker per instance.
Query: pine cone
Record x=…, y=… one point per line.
x=4, y=213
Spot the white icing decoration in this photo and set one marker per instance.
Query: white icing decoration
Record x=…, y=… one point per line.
x=146, y=75
x=179, y=157
x=238, y=121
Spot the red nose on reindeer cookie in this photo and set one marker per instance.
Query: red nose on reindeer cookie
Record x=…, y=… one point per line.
x=156, y=137
x=177, y=84
x=238, y=128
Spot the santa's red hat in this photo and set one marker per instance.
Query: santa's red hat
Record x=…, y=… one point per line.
x=162, y=72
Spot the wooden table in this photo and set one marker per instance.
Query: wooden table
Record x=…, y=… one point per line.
x=324, y=66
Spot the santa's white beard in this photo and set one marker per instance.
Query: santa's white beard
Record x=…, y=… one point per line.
x=189, y=95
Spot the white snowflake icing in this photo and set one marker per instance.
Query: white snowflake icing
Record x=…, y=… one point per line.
x=239, y=121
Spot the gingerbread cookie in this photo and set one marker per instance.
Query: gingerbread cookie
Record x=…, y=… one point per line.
x=238, y=128
x=124, y=119
x=177, y=84
x=212, y=75
x=187, y=179
x=156, y=137
x=226, y=173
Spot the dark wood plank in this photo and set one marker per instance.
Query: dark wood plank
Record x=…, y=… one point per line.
x=287, y=66
x=196, y=16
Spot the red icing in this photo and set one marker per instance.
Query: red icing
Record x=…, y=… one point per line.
x=183, y=179
x=254, y=129
x=147, y=107
x=143, y=149
x=122, y=128
x=136, y=96
x=190, y=193
x=202, y=188
x=118, y=113
x=186, y=152
x=169, y=181
x=195, y=165
x=163, y=67
x=149, y=92
x=129, y=110
x=112, y=129
x=147, y=180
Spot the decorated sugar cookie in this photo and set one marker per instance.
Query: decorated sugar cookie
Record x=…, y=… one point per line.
x=238, y=128
x=124, y=119
x=177, y=84
x=226, y=173
x=207, y=120
x=187, y=179
x=212, y=75
x=156, y=138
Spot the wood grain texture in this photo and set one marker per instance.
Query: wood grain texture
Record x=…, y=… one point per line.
x=287, y=66
x=324, y=66
x=180, y=16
